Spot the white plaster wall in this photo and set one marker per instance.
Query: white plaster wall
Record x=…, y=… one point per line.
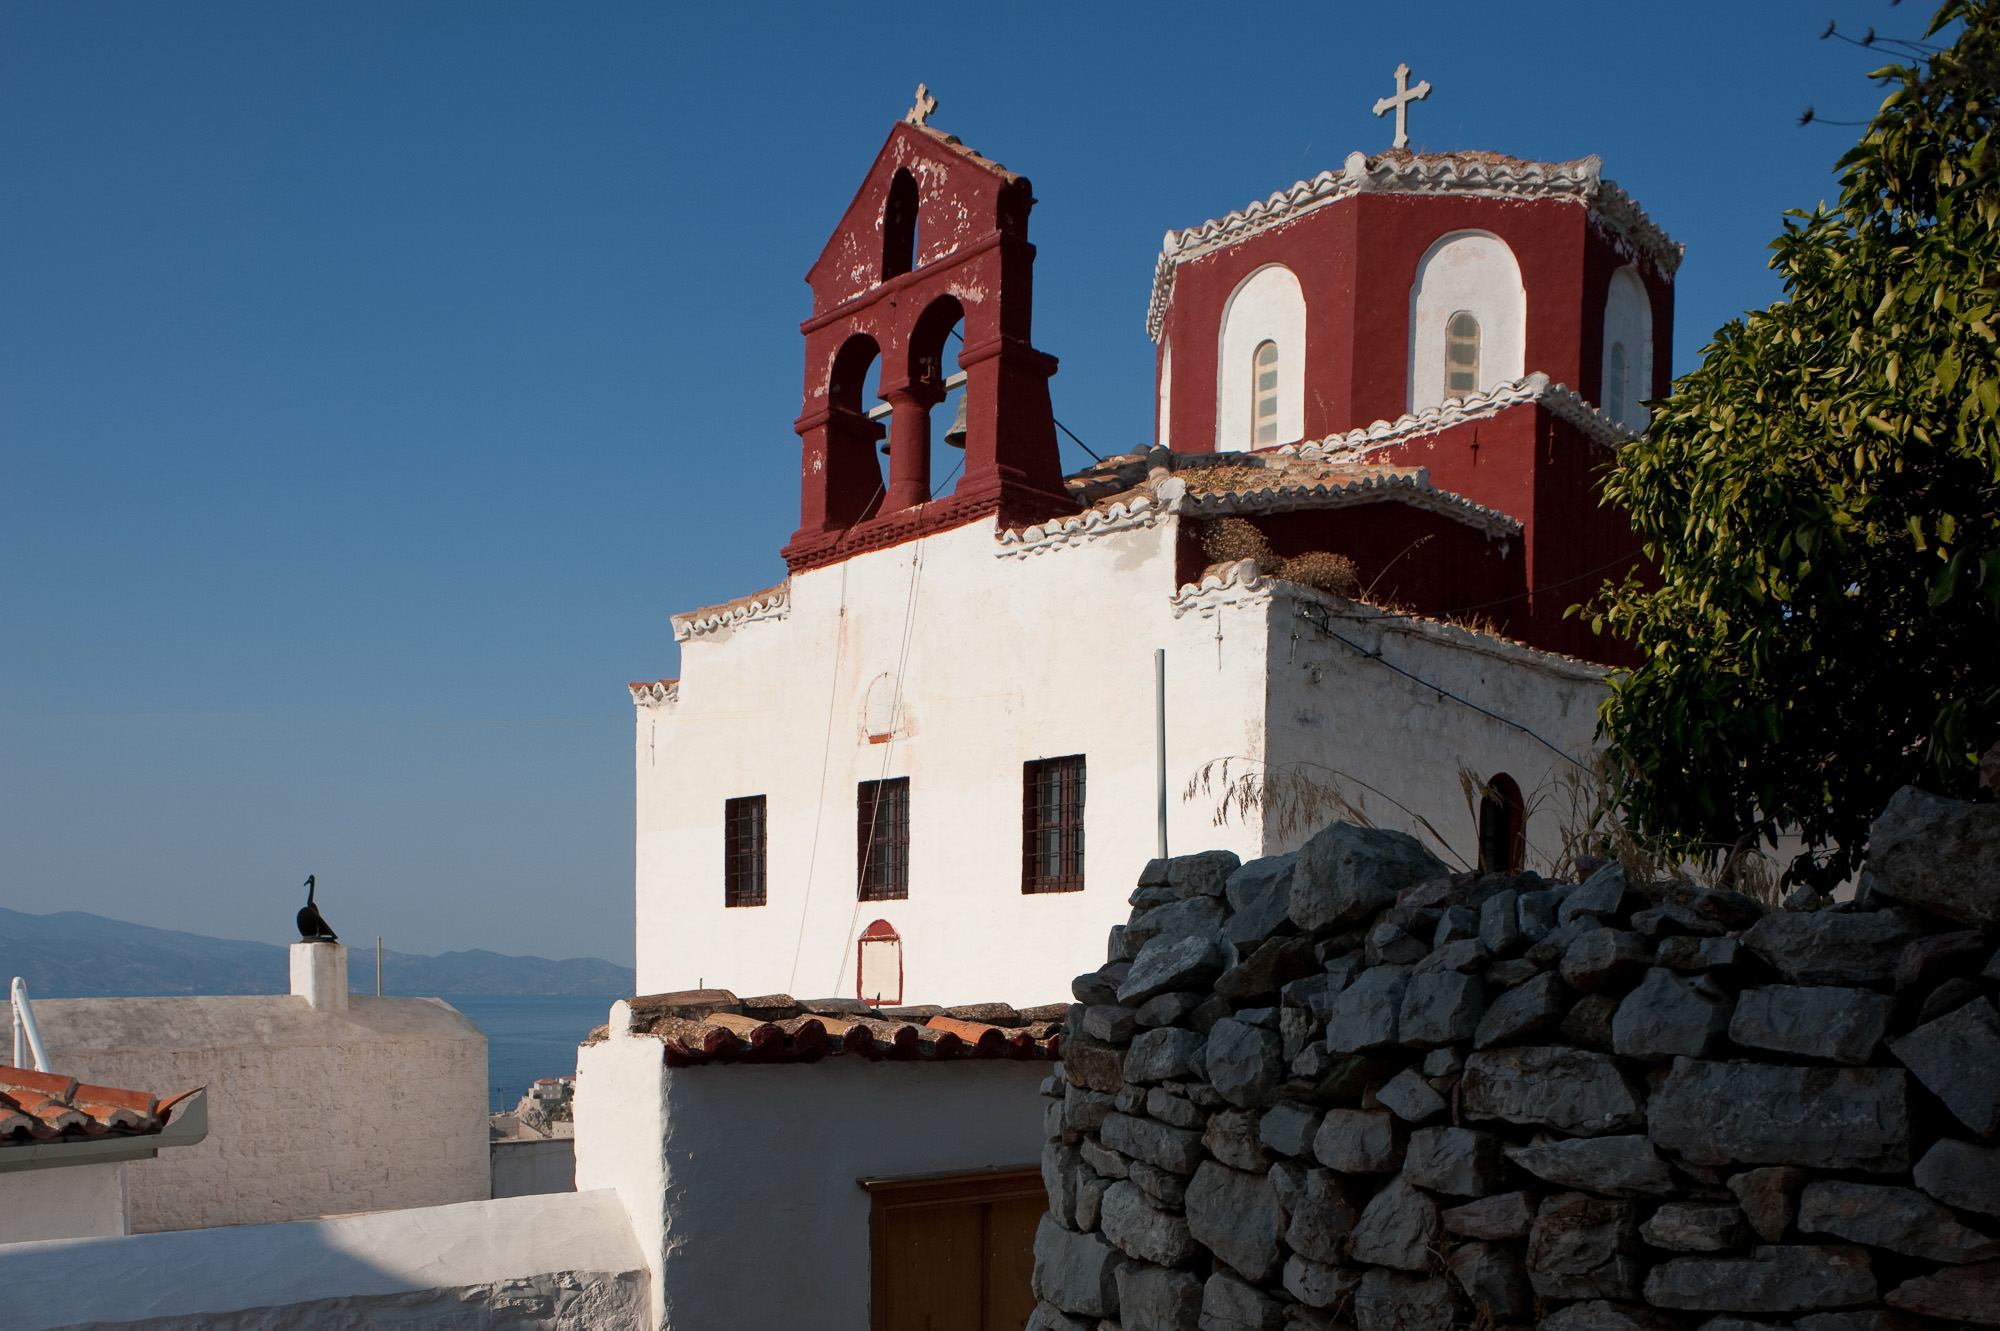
x=1164, y=406
x=1268, y=306
x=1008, y=660
x=67, y=1202
x=1348, y=719
x=1466, y=270
x=310, y=1113
x=1628, y=318
x=745, y=1176
x=524, y=1168
x=148, y=1278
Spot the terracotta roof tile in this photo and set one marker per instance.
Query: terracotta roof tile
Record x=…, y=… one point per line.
x=37, y=1107
x=714, y=1026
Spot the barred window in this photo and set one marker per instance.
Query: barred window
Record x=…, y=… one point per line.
x=1052, y=825
x=1264, y=421
x=743, y=851
x=1461, y=354
x=1614, y=383
x=882, y=821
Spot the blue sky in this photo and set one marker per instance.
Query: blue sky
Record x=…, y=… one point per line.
x=375, y=379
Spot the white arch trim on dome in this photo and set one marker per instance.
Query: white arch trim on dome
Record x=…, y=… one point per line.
x=1628, y=325
x=1474, y=272
x=1267, y=306
x=1166, y=395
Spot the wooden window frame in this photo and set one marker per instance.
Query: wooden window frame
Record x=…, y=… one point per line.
x=880, y=877
x=921, y=1191
x=1503, y=817
x=746, y=841
x=1072, y=789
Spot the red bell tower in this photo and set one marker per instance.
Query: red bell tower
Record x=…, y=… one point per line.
x=936, y=237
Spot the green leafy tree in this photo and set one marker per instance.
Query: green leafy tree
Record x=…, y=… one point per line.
x=1821, y=503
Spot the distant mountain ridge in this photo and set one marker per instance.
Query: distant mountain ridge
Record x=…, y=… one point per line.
x=73, y=954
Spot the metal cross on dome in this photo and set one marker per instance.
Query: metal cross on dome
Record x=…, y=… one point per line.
x=1405, y=94
x=926, y=106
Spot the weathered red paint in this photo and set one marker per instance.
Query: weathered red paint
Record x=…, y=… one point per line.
x=971, y=262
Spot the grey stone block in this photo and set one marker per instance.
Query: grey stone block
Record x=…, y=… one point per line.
x=1095, y=987
x=1695, y=1227
x=1527, y=1009
x=1229, y=1304
x=1235, y=1216
x=1507, y=1215
x=1571, y=1090
x=1163, y=1053
x=1171, y=965
x=1322, y=1216
x=1409, y=1097
x=1604, y=1315
x=1397, y=1228
x=1203, y=874
x=1062, y=1169
x=1390, y=1301
x=1455, y=1161
x=1867, y=1319
x=1821, y=1021
x=1130, y=1100
x=1299, y=1027
x=1363, y=1015
x=1500, y=923
x=1232, y=1138
x=1288, y=1128
x=1624, y=1166
x=1260, y=899
x=1772, y=1279
x=1139, y=1229
x=1048, y=1317
x=1109, y=1022
x=1535, y=915
x=1389, y=945
x=1583, y=1247
x=1757, y=1114
x=1078, y=1273
x=1195, y=917
x=1589, y=1021
x=1168, y=1189
x=1957, y=1293
x=1466, y=954
x=1492, y=1278
x=1166, y=1010
x=1941, y=854
x=1900, y=1219
x=1962, y=1175
x=1440, y=1008
x=1604, y=959
x=1457, y=924
x=1176, y=1149
x=1261, y=973
x=1958, y=1058
x=1832, y=947
x=1359, y=1141
x=1245, y=1063
x=1770, y=1197
x=1319, y=1284
x=1346, y=873
x=1158, y=1298
x=1604, y=894
x=1668, y=1017
x=1090, y=1201
x=1174, y=1110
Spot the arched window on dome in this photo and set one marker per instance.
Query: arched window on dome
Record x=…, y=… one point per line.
x=1614, y=382
x=1461, y=355
x=1628, y=350
x=1264, y=394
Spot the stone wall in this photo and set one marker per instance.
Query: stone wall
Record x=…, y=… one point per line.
x=1345, y=1088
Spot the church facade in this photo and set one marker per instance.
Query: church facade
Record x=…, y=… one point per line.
x=1383, y=396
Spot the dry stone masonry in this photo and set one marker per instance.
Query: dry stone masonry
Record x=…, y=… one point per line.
x=1347, y=1088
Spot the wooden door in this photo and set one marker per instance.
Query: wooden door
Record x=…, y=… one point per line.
x=954, y=1252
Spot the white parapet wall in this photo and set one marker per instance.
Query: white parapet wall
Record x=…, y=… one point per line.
x=74, y=1201
x=564, y=1261
x=311, y=1113
x=742, y=1182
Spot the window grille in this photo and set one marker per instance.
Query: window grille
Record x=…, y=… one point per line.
x=1614, y=384
x=882, y=811
x=743, y=851
x=1052, y=825
x=1503, y=839
x=1264, y=423
x=1461, y=354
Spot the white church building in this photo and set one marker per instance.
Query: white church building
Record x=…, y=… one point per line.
x=939, y=738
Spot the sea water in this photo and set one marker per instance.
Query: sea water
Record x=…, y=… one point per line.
x=529, y=1036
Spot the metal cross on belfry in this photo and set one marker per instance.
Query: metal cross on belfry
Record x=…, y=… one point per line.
x=927, y=105
x=1405, y=94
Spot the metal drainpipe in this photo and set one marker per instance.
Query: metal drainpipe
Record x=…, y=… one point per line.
x=1160, y=738
x=24, y=1024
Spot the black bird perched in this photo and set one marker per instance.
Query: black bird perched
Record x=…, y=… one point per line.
x=312, y=927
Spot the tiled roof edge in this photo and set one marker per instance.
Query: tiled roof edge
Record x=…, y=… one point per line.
x=713, y=1026
x=1580, y=181
x=655, y=693
x=1560, y=400
x=771, y=603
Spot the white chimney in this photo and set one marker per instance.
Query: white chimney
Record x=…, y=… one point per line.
x=319, y=975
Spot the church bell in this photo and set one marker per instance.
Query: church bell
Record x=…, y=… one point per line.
x=955, y=436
